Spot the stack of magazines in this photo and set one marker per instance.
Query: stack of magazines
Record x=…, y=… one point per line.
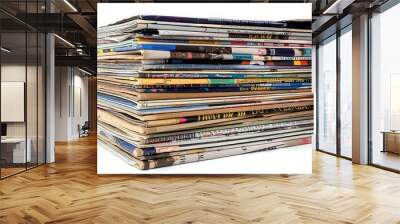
x=174, y=90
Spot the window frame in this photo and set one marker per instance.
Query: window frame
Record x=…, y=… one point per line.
x=339, y=32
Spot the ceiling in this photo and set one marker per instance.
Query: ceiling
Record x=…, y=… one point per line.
x=76, y=25
x=76, y=20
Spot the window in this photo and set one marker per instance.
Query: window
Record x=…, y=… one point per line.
x=326, y=101
x=385, y=89
x=345, y=43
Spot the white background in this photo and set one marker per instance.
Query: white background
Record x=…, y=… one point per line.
x=112, y=12
x=289, y=160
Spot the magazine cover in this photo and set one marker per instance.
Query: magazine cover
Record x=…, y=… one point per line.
x=184, y=89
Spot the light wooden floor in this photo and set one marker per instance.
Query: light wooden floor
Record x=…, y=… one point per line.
x=69, y=191
x=10, y=171
x=387, y=159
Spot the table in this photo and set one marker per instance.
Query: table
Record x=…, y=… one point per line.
x=391, y=141
x=18, y=149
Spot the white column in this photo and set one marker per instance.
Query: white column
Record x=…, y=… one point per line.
x=50, y=92
x=314, y=90
x=50, y=99
x=360, y=90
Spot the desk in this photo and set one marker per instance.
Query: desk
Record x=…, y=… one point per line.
x=391, y=141
x=17, y=150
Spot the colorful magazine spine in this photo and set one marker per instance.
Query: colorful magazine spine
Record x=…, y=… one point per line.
x=143, y=81
x=227, y=62
x=153, y=27
x=218, y=131
x=228, y=89
x=307, y=42
x=214, y=67
x=223, y=42
x=224, y=21
x=270, y=136
x=217, y=75
x=166, y=33
x=214, y=88
x=286, y=52
x=213, y=21
x=150, y=54
x=207, y=155
x=266, y=83
x=224, y=116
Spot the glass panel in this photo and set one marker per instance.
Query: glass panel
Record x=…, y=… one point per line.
x=32, y=88
x=31, y=100
x=13, y=87
x=346, y=94
x=23, y=88
x=41, y=90
x=41, y=98
x=385, y=89
x=327, y=96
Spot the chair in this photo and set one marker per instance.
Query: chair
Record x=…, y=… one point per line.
x=84, y=130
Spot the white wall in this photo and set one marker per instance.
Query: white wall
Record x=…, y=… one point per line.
x=61, y=103
x=14, y=73
x=80, y=93
x=70, y=83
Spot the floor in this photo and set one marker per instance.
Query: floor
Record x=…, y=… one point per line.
x=5, y=172
x=387, y=159
x=70, y=191
x=10, y=171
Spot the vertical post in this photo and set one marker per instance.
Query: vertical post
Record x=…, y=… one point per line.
x=50, y=92
x=360, y=89
x=314, y=90
x=26, y=89
x=338, y=76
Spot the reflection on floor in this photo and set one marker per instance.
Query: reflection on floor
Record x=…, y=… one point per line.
x=11, y=169
x=70, y=191
x=387, y=159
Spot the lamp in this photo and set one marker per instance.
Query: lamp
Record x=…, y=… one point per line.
x=5, y=49
x=64, y=40
x=70, y=5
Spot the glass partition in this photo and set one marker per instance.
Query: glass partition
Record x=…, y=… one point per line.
x=32, y=98
x=13, y=103
x=326, y=100
x=385, y=89
x=346, y=95
x=22, y=77
x=41, y=97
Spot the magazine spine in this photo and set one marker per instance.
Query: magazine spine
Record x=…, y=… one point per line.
x=154, y=82
x=218, y=116
x=225, y=131
x=231, y=141
x=219, y=42
x=286, y=52
x=182, y=159
x=228, y=76
x=214, y=21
